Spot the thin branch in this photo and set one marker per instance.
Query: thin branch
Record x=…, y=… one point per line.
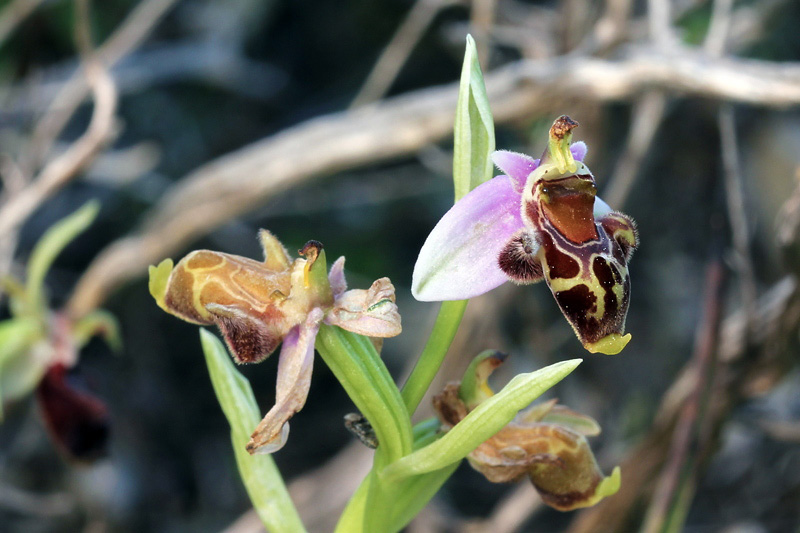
x=772, y=343
x=737, y=214
x=686, y=431
x=128, y=36
x=396, y=53
x=63, y=168
x=647, y=115
x=721, y=19
x=13, y=14
x=660, y=23
x=238, y=182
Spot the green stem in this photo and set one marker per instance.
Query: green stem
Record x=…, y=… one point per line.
x=358, y=367
x=259, y=473
x=444, y=330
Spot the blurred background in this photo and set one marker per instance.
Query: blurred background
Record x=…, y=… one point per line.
x=196, y=122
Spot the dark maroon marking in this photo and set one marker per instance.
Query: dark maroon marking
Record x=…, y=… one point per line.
x=248, y=338
x=615, y=271
x=606, y=278
x=75, y=419
x=518, y=261
x=560, y=265
x=621, y=222
x=576, y=304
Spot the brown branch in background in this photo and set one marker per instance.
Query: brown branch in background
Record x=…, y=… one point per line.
x=126, y=38
x=236, y=183
x=396, y=53
x=646, y=116
x=63, y=168
x=721, y=19
x=742, y=371
x=737, y=214
x=13, y=14
x=482, y=17
x=510, y=514
x=680, y=456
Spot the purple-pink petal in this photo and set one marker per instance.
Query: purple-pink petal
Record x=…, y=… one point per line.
x=294, y=380
x=459, y=258
x=578, y=150
x=519, y=166
x=515, y=165
x=336, y=278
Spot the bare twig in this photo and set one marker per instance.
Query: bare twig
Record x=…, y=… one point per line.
x=13, y=14
x=737, y=213
x=50, y=505
x=660, y=23
x=236, y=183
x=777, y=317
x=647, y=115
x=396, y=53
x=511, y=513
x=63, y=168
x=125, y=38
x=717, y=36
x=482, y=18
x=686, y=431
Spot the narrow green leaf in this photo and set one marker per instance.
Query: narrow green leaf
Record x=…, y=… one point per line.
x=55, y=239
x=357, y=366
x=99, y=322
x=20, y=368
x=413, y=494
x=259, y=473
x=479, y=425
x=473, y=136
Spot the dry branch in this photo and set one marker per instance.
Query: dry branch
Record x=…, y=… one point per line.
x=235, y=183
x=743, y=370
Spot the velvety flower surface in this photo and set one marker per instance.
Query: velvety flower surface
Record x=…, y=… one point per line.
x=546, y=443
x=258, y=305
x=540, y=220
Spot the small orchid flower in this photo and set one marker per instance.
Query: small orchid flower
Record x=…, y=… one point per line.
x=258, y=305
x=541, y=220
x=546, y=442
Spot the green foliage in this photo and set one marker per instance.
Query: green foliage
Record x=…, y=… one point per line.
x=55, y=239
x=473, y=136
x=259, y=473
x=25, y=344
x=484, y=421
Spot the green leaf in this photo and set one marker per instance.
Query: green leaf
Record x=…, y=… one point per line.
x=473, y=136
x=99, y=322
x=480, y=424
x=159, y=276
x=414, y=493
x=55, y=239
x=357, y=366
x=20, y=368
x=259, y=473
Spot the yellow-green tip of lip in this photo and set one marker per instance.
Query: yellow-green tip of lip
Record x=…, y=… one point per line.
x=159, y=276
x=610, y=344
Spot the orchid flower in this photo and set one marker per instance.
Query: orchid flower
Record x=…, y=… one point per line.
x=258, y=305
x=545, y=442
x=540, y=220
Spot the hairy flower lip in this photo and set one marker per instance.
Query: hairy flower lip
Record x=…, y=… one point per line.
x=459, y=258
x=545, y=442
x=259, y=305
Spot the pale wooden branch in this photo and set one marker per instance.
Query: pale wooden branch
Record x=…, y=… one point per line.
x=63, y=168
x=13, y=14
x=396, y=53
x=128, y=36
x=738, y=374
x=236, y=183
x=737, y=212
x=647, y=115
